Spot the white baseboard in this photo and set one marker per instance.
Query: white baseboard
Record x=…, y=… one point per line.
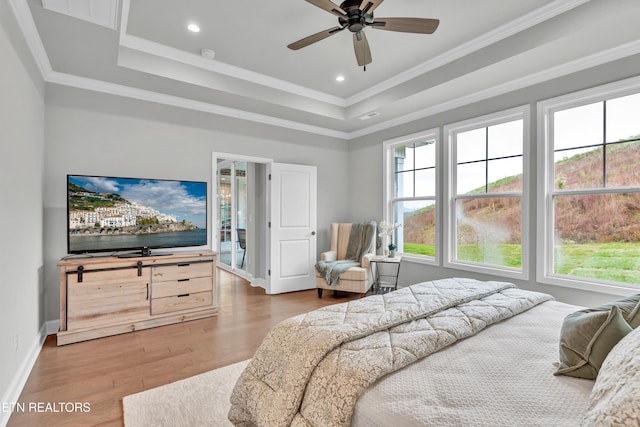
x=52, y=326
x=260, y=283
x=22, y=374
x=256, y=282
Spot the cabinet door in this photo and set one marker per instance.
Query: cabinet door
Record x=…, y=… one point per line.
x=109, y=297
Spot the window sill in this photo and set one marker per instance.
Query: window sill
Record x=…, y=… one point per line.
x=490, y=270
x=420, y=259
x=611, y=288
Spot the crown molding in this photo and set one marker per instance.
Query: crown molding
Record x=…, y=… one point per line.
x=70, y=80
x=172, y=54
x=157, y=49
x=613, y=54
x=25, y=20
x=26, y=23
x=520, y=24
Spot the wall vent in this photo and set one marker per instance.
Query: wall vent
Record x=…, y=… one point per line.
x=370, y=115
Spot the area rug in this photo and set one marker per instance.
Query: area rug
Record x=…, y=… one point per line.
x=202, y=400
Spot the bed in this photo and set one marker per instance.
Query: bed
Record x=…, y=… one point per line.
x=453, y=352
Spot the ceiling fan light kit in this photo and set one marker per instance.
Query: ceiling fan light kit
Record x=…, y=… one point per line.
x=356, y=15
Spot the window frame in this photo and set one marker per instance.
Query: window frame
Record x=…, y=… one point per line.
x=450, y=166
x=546, y=187
x=389, y=198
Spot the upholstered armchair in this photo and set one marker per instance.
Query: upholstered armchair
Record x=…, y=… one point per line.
x=356, y=279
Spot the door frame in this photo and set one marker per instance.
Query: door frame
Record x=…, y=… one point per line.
x=296, y=234
x=231, y=164
x=215, y=235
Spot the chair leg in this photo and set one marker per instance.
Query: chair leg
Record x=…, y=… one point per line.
x=244, y=252
x=319, y=292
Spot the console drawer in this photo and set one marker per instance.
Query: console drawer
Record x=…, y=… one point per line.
x=181, y=302
x=181, y=286
x=182, y=271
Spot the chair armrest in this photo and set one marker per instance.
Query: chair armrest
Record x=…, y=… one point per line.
x=328, y=256
x=365, y=262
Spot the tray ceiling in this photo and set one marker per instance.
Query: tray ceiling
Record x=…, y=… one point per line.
x=142, y=49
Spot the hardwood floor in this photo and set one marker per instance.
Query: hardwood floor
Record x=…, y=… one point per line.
x=101, y=372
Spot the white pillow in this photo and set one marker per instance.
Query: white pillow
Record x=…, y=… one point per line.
x=615, y=398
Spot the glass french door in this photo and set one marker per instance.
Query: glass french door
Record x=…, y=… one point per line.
x=232, y=214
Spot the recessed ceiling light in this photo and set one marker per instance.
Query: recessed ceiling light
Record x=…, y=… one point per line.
x=193, y=28
x=340, y=78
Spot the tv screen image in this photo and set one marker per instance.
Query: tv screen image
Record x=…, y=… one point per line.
x=110, y=214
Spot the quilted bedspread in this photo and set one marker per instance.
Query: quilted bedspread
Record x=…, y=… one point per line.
x=311, y=369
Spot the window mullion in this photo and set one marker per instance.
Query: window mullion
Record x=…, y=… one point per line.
x=595, y=191
x=486, y=160
x=604, y=144
x=413, y=168
x=413, y=199
x=487, y=195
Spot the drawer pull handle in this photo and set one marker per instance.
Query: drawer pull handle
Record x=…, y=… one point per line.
x=186, y=264
x=139, y=264
x=183, y=280
x=147, y=292
x=80, y=270
x=183, y=295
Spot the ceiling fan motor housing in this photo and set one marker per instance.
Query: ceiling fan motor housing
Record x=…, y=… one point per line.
x=355, y=19
x=356, y=15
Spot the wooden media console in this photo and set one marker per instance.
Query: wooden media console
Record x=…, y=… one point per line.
x=103, y=296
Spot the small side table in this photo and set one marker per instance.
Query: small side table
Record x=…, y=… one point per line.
x=385, y=282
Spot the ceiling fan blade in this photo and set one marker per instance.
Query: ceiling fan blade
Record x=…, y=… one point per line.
x=314, y=38
x=368, y=6
x=329, y=6
x=406, y=25
x=361, y=47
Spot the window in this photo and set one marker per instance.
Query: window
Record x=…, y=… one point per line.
x=411, y=168
x=591, y=217
x=487, y=213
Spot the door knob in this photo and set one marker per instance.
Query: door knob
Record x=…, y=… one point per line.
x=313, y=233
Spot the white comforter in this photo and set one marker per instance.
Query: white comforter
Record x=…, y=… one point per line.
x=311, y=369
x=502, y=376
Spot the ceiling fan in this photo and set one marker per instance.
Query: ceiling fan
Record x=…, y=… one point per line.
x=356, y=15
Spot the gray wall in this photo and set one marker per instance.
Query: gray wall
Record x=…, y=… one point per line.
x=21, y=182
x=366, y=154
x=91, y=133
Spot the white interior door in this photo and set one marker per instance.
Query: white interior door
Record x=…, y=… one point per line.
x=293, y=227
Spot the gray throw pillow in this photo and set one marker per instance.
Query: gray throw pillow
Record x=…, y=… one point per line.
x=586, y=338
x=629, y=306
x=633, y=319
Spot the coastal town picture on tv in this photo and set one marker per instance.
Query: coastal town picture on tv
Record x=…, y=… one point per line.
x=110, y=214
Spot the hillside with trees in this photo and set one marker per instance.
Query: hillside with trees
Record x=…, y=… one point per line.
x=578, y=219
x=81, y=199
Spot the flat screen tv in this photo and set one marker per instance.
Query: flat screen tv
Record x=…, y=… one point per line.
x=110, y=214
